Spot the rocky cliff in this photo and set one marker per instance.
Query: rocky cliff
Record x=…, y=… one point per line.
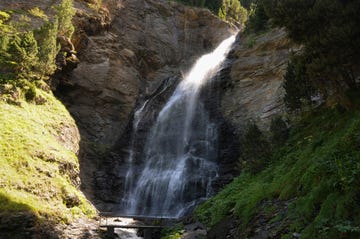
x=126, y=50
x=133, y=50
x=255, y=91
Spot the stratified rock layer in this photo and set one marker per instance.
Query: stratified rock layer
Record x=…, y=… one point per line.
x=255, y=91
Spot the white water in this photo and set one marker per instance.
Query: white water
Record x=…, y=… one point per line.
x=181, y=148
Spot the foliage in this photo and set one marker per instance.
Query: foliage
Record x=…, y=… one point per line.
x=96, y=5
x=173, y=232
x=232, y=11
x=258, y=18
x=28, y=56
x=4, y=17
x=279, y=131
x=317, y=173
x=30, y=93
x=23, y=50
x=255, y=151
x=228, y=10
x=65, y=12
x=48, y=49
x=247, y=3
x=329, y=31
x=297, y=84
x=36, y=12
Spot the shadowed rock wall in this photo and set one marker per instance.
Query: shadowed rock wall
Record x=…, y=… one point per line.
x=126, y=50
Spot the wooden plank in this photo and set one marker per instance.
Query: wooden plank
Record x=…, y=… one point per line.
x=129, y=226
x=115, y=214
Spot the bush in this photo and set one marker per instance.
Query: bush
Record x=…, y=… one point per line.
x=279, y=131
x=255, y=151
x=22, y=55
x=30, y=54
x=297, y=84
x=48, y=48
x=64, y=13
x=233, y=12
x=257, y=18
x=330, y=33
x=30, y=93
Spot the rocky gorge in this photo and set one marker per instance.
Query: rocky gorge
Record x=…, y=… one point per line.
x=137, y=47
x=132, y=51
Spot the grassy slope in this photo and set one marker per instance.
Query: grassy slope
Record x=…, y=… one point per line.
x=37, y=171
x=317, y=173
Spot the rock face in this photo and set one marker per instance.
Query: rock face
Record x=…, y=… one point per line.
x=142, y=43
x=126, y=50
x=255, y=91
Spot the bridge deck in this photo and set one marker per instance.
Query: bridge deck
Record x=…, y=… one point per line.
x=137, y=217
x=128, y=226
x=112, y=220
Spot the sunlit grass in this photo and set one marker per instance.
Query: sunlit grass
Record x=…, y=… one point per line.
x=32, y=155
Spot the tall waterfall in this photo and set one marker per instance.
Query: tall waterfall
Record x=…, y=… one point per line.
x=181, y=149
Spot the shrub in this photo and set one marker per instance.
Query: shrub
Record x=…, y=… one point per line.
x=36, y=12
x=48, y=48
x=64, y=13
x=332, y=51
x=257, y=18
x=255, y=150
x=279, y=131
x=30, y=93
x=232, y=11
x=297, y=84
x=23, y=50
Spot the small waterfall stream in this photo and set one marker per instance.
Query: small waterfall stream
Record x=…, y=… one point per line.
x=179, y=157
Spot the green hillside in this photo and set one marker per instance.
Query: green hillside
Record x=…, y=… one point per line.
x=39, y=168
x=311, y=186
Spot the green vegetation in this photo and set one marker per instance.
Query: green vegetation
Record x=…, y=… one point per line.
x=65, y=12
x=233, y=12
x=38, y=171
x=172, y=232
x=330, y=34
x=258, y=18
x=317, y=172
x=36, y=12
x=228, y=10
x=95, y=4
x=279, y=132
x=297, y=85
x=255, y=150
x=306, y=179
x=28, y=54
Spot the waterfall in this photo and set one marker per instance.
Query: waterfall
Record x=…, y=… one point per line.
x=180, y=153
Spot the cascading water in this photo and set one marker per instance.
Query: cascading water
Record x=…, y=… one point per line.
x=181, y=149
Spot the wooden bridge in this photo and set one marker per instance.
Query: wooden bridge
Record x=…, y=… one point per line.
x=110, y=221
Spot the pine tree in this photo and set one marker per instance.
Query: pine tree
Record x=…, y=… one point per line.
x=65, y=12
x=48, y=48
x=297, y=84
x=23, y=50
